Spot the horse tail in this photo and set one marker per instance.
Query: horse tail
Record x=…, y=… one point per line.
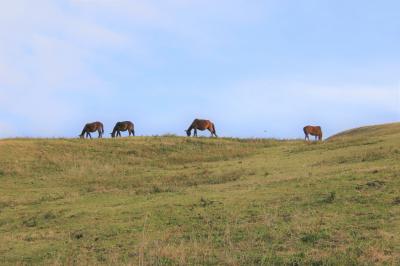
x=215, y=131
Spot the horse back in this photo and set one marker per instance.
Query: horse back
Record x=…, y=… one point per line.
x=91, y=127
x=202, y=124
x=125, y=125
x=314, y=130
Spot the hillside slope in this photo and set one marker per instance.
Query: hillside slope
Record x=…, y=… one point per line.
x=369, y=131
x=172, y=200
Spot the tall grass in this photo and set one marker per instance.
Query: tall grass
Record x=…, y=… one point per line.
x=178, y=201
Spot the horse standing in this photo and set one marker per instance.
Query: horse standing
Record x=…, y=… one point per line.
x=200, y=124
x=123, y=126
x=92, y=127
x=313, y=131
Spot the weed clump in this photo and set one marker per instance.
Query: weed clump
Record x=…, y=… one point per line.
x=371, y=184
x=77, y=235
x=396, y=201
x=313, y=237
x=30, y=222
x=49, y=216
x=330, y=198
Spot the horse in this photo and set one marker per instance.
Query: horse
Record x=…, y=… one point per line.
x=92, y=127
x=123, y=126
x=200, y=124
x=313, y=131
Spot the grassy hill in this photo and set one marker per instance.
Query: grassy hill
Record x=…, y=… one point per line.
x=369, y=131
x=173, y=200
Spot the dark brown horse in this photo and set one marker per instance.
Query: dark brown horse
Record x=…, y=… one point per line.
x=92, y=127
x=123, y=126
x=313, y=131
x=199, y=124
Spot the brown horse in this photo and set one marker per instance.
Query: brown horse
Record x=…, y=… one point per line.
x=199, y=124
x=123, y=126
x=92, y=127
x=313, y=131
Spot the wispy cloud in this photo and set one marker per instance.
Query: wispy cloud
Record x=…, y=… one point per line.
x=63, y=63
x=45, y=71
x=49, y=51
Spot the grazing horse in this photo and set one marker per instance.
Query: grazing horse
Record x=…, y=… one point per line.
x=92, y=127
x=123, y=126
x=199, y=124
x=313, y=131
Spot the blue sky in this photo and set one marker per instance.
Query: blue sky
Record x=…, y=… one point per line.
x=256, y=68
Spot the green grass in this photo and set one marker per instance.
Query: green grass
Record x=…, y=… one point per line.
x=177, y=201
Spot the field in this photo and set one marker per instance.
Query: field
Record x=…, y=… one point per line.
x=178, y=201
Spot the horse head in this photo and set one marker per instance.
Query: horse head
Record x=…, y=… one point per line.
x=188, y=132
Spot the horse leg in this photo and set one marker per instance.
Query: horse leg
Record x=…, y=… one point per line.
x=195, y=133
x=215, y=133
x=88, y=135
x=212, y=132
